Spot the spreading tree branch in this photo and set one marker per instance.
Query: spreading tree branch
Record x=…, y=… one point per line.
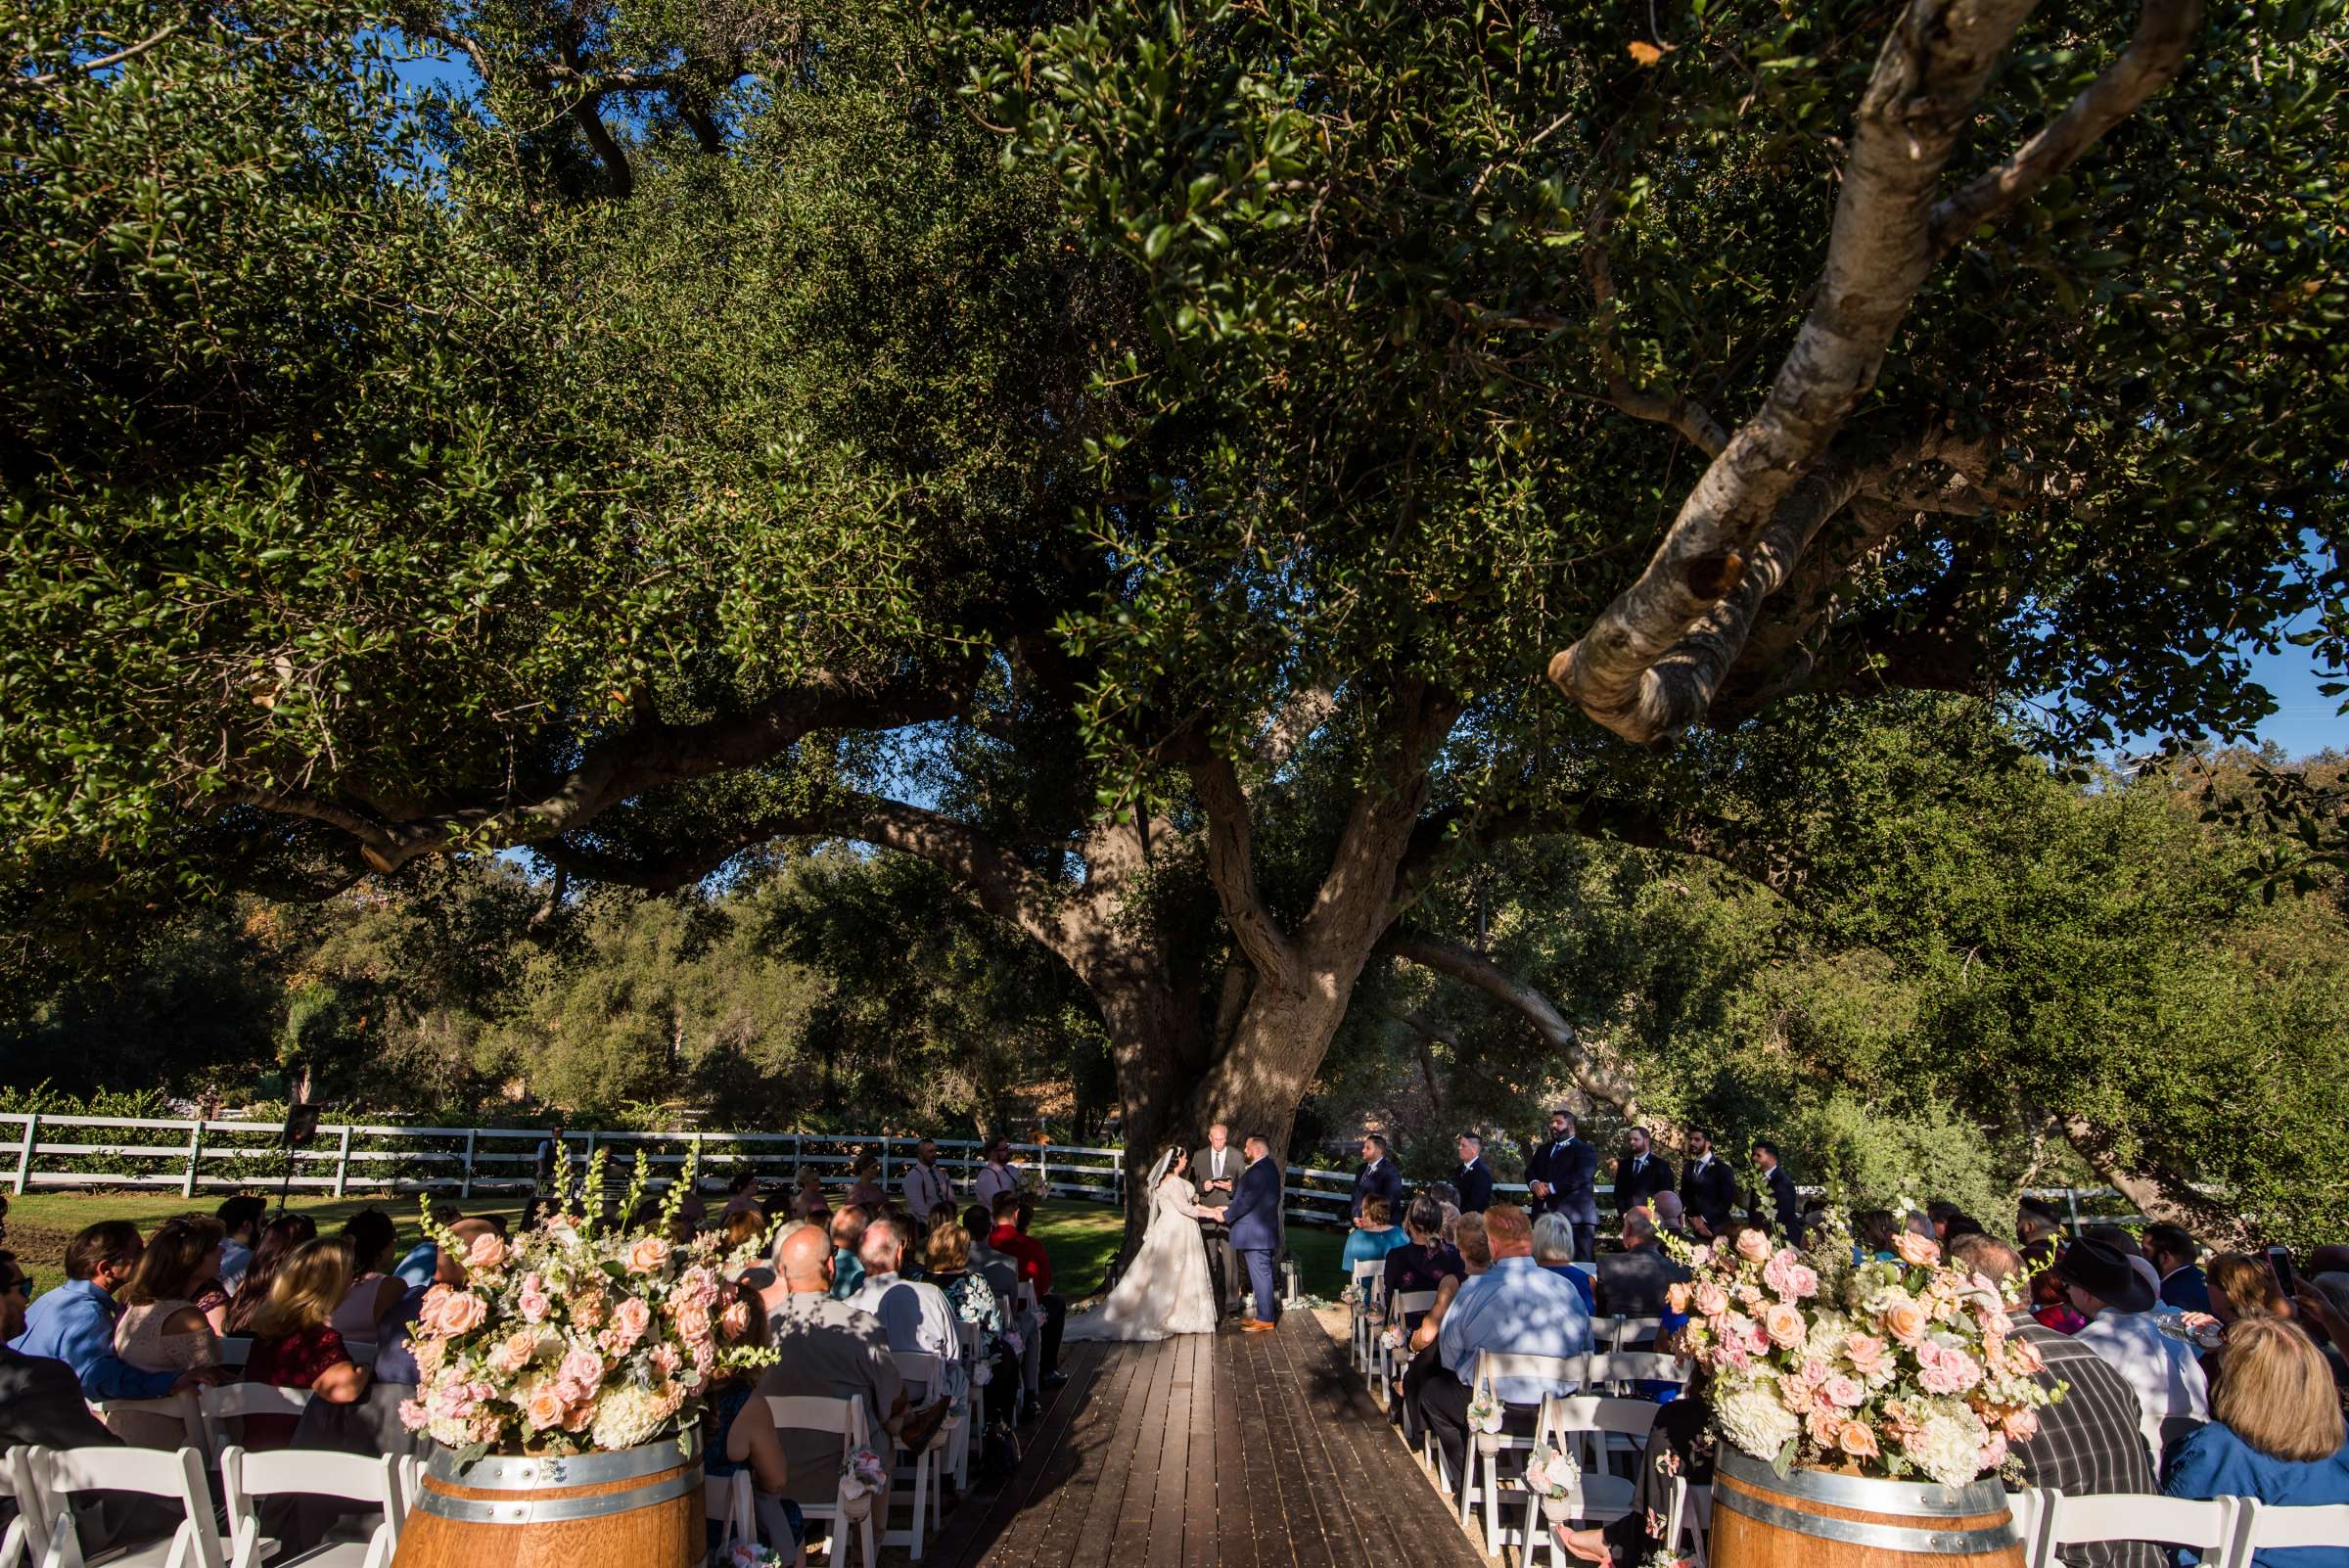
x=1231, y=867
x=1528, y=1003
x=1887, y=235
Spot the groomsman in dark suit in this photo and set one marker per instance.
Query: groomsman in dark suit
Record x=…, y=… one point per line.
x=1562, y=1176
x=1708, y=1187
x=1378, y=1178
x=1776, y=1203
x=1640, y=1174
x=1474, y=1177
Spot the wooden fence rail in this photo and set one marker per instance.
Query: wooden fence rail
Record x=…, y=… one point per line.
x=49, y=1150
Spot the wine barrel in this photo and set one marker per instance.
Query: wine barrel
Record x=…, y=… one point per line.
x=1818, y=1519
x=638, y=1507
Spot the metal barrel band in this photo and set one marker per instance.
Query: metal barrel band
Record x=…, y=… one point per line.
x=1884, y=1538
x=1864, y=1492
x=550, y=1511
x=522, y=1472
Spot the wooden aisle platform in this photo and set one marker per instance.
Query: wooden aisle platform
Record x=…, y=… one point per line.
x=1137, y=1463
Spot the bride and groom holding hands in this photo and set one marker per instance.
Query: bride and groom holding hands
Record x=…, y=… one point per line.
x=1221, y=1198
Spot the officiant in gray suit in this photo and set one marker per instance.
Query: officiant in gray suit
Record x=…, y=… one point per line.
x=1216, y=1172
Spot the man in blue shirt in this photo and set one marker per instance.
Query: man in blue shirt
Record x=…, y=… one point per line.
x=74, y=1323
x=1516, y=1307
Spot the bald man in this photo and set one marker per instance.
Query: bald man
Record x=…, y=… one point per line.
x=829, y=1350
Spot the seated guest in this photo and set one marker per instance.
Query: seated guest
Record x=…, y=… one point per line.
x=2171, y=1393
x=1632, y=1283
x=2275, y=1435
x=1013, y=1212
x=865, y=1193
x=739, y=1436
x=2091, y=1440
x=744, y=1227
x=394, y=1357
x=374, y=1288
x=974, y=1300
x=1000, y=1269
x=1374, y=1235
x=162, y=1327
x=1874, y=1240
x=742, y=1194
x=74, y=1323
x=1450, y=1233
x=1515, y=1307
x=2038, y=1233
x=1680, y=1446
x=2173, y=1253
x=1423, y=1260
x=241, y=1218
x=1426, y=1361
x=416, y=1264
x=279, y=1237
x=295, y=1342
x=1553, y=1250
x=914, y=1314
x=848, y=1237
x=1671, y=1214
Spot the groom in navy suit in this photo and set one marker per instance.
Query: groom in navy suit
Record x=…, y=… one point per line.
x=1253, y=1221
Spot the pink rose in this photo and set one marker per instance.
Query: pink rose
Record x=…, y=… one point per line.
x=1916, y=1250
x=1858, y=1441
x=449, y=1313
x=1815, y=1370
x=1753, y=1245
x=1865, y=1353
x=693, y=1324
x=1824, y=1426
x=1845, y=1392
x=736, y=1320
x=1783, y=1322
x=2024, y=1356
x=1905, y=1321
x=1944, y=1370
x=487, y=1253
x=583, y=1367
x=630, y=1319
x=534, y=1303
x=2021, y=1425
x=1711, y=1299
x=1994, y=1452
x=647, y=1255
x=1702, y=1258
x=412, y=1415
x=1677, y=1295
x=543, y=1409
x=665, y=1360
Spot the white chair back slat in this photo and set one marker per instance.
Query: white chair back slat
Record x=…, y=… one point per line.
x=311, y=1472
x=181, y=1407
x=1624, y=1333
x=2262, y=1527
x=2205, y=1526
x=807, y=1412
x=221, y=1402
x=1618, y=1368
x=27, y=1539
x=57, y=1475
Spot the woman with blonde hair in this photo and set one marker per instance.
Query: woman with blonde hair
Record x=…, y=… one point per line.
x=294, y=1343
x=163, y=1327
x=2242, y=1286
x=2276, y=1434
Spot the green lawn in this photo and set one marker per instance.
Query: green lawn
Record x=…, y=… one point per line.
x=1083, y=1237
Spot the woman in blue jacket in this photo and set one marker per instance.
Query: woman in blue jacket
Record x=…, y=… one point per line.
x=2276, y=1434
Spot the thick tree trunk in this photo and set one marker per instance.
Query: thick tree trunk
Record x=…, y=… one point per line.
x=2159, y=1195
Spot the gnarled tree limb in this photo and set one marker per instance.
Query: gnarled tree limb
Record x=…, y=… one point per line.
x=1887, y=235
x=1231, y=867
x=1526, y=1001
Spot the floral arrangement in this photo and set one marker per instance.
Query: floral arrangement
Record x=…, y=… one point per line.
x=1551, y=1476
x=574, y=1338
x=1484, y=1415
x=752, y=1554
x=1895, y=1369
x=861, y=1479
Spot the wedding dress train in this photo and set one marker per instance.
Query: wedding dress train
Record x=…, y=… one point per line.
x=1167, y=1291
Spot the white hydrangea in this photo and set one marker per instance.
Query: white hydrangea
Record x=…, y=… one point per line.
x=1756, y=1419
x=1949, y=1446
x=627, y=1415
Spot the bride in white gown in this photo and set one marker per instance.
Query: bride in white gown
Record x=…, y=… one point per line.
x=1167, y=1291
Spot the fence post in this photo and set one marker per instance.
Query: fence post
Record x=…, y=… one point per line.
x=32, y=1128
x=884, y=1160
x=1043, y=1167
x=694, y=1163
x=465, y=1178
x=343, y=1164
x=187, y=1185
x=2071, y=1202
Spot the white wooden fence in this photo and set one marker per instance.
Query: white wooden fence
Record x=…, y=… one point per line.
x=39, y=1150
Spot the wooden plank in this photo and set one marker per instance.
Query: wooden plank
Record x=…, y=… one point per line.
x=1106, y=1513
x=1169, y=1423
x=1298, y=1510
x=1083, y=1460
x=1203, y=1518
x=986, y=1526
x=1354, y=1433
x=1268, y=1525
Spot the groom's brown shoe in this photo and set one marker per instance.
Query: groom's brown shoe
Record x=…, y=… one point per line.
x=1256, y=1325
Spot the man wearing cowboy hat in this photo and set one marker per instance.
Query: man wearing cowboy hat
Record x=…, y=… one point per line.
x=2118, y=1304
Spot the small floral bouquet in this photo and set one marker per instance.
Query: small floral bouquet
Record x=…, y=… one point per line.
x=1556, y=1480
x=752, y=1554
x=1391, y=1337
x=1351, y=1295
x=1894, y=1370
x=571, y=1338
x=861, y=1479
x=1484, y=1419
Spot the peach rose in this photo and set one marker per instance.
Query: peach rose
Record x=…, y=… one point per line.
x=1825, y=1425
x=2024, y=1356
x=1711, y=1299
x=1677, y=1295
x=1905, y=1321
x=514, y=1351
x=543, y=1409
x=1916, y=1250
x=486, y=1252
x=736, y=1320
x=1783, y=1322
x=630, y=1319
x=2021, y=1426
x=1753, y=1246
x=693, y=1324
x=1856, y=1440
x=449, y=1313
x=647, y=1255
x=1865, y=1353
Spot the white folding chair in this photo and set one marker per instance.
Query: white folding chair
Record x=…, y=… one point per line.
x=27, y=1539
x=313, y=1473
x=180, y=1406
x=1369, y=1283
x=1570, y=1424
x=2259, y=1526
x=1402, y=1309
x=1484, y=1480
x=59, y=1475
x=925, y=1379
x=1689, y=1523
x=803, y=1412
x=2205, y=1526
x=958, y=1452
x=1617, y=1370
x=222, y=1403
x=727, y=1501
